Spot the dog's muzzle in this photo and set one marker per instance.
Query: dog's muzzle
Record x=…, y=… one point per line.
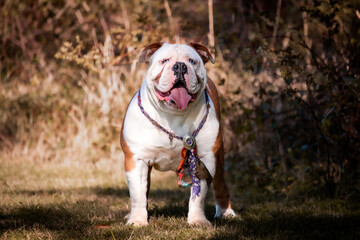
x=178, y=96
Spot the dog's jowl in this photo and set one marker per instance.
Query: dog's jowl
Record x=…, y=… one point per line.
x=173, y=124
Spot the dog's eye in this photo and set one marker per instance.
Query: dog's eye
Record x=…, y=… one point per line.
x=192, y=61
x=164, y=61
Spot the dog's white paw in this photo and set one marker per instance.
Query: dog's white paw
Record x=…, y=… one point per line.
x=137, y=223
x=200, y=222
x=137, y=218
x=224, y=213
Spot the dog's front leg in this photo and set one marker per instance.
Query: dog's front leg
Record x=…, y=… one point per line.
x=196, y=214
x=138, y=182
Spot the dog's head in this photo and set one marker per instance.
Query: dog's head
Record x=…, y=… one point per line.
x=176, y=74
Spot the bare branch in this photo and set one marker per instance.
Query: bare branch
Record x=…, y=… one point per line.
x=211, y=25
x=278, y=8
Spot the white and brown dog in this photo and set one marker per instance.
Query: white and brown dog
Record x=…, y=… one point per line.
x=173, y=95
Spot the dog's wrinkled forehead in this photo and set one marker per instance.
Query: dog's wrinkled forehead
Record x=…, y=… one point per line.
x=161, y=51
x=175, y=52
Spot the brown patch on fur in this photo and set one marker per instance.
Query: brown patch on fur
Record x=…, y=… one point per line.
x=211, y=90
x=203, y=52
x=221, y=191
x=148, y=51
x=129, y=161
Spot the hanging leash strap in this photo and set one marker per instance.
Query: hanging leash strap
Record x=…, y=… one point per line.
x=189, y=157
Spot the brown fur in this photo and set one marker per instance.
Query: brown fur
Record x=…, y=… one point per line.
x=221, y=191
x=128, y=161
x=203, y=52
x=148, y=51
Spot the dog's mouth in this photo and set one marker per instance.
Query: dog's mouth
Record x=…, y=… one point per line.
x=178, y=96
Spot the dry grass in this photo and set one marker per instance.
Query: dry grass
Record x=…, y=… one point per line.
x=73, y=119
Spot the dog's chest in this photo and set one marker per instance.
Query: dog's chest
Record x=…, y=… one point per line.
x=166, y=158
x=150, y=144
x=155, y=148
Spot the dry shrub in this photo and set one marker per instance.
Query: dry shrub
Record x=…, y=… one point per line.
x=69, y=70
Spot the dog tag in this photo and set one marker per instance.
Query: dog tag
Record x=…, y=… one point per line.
x=189, y=142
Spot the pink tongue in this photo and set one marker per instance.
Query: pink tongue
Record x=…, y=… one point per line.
x=181, y=97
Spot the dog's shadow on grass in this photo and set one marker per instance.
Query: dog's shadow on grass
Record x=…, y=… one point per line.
x=175, y=202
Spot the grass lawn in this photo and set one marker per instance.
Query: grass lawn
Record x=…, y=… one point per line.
x=52, y=200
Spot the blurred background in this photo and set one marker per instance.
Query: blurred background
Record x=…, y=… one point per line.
x=287, y=71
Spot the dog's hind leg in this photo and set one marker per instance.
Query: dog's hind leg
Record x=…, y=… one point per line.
x=220, y=190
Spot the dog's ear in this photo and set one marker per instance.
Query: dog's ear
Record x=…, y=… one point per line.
x=203, y=52
x=148, y=51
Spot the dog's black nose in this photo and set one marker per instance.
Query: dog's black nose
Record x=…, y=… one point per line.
x=180, y=69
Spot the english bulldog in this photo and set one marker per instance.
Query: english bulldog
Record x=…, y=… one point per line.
x=176, y=99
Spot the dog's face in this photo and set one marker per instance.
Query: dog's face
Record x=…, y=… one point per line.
x=176, y=75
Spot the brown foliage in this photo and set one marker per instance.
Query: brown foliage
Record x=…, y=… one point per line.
x=288, y=74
